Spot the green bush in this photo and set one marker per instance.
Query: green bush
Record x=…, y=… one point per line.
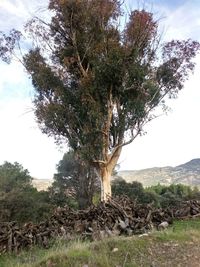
x=19, y=201
x=159, y=195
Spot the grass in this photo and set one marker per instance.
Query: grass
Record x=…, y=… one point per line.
x=180, y=231
x=111, y=252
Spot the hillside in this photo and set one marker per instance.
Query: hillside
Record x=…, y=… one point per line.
x=188, y=174
x=41, y=184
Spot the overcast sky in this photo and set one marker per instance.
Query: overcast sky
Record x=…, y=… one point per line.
x=170, y=140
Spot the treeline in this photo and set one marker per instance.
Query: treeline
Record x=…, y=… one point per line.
x=76, y=186
x=159, y=195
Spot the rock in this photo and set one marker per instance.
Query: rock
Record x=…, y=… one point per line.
x=115, y=250
x=122, y=224
x=108, y=232
x=129, y=231
x=145, y=234
x=163, y=225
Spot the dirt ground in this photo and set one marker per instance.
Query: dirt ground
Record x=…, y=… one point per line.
x=172, y=254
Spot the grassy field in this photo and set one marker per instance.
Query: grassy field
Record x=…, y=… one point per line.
x=177, y=246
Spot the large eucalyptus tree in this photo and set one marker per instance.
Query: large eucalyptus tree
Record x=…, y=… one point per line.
x=98, y=82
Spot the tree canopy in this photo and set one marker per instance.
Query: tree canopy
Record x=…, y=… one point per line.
x=13, y=176
x=97, y=83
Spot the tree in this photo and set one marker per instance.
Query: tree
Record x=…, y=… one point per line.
x=13, y=176
x=25, y=204
x=97, y=84
x=13, y=179
x=18, y=199
x=134, y=191
x=74, y=179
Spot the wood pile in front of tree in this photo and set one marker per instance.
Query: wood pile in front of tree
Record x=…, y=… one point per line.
x=118, y=216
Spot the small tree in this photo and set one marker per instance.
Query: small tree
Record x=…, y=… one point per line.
x=13, y=176
x=98, y=83
x=18, y=199
x=74, y=179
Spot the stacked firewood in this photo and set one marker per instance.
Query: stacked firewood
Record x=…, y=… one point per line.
x=187, y=209
x=118, y=216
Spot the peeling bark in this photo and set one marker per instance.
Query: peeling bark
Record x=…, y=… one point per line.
x=105, y=172
x=105, y=184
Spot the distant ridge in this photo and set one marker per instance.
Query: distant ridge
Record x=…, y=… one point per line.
x=187, y=174
x=193, y=164
x=42, y=184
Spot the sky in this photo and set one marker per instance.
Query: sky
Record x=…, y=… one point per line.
x=169, y=140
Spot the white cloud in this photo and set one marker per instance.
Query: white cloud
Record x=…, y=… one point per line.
x=181, y=22
x=13, y=76
x=15, y=8
x=20, y=138
x=22, y=141
x=14, y=13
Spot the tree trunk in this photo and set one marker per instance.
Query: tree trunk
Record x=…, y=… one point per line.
x=106, y=173
x=105, y=183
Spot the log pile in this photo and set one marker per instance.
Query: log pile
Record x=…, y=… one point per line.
x=187, y=209
x=118, y=216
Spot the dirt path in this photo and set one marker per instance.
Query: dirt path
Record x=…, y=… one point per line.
x=172, y=254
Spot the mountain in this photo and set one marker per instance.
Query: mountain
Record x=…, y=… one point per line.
x=192, y=165
x=41, y=184
x=187, y=173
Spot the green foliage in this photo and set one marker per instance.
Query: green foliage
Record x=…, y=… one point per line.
x=160, y=195
x=175, y=193
x=25, y=205
x=19, y=201
x=134, y=191
x=13, y=176
x=74, y=183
